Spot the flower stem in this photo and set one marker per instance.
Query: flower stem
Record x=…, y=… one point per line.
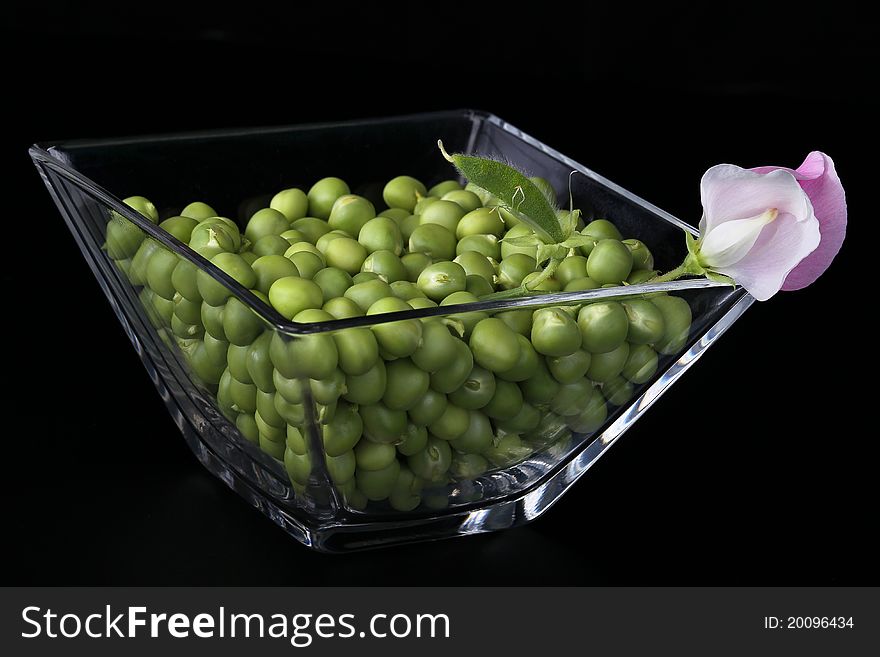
x=672, y=275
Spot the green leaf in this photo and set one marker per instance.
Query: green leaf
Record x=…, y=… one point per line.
x=568, y=220
x=514, y=190
x=547, y=251
x=577, y=240
x=523, y=240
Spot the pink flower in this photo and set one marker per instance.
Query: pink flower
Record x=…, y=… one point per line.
x=771, y=228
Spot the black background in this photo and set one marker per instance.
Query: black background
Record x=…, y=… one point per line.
x=756, y=468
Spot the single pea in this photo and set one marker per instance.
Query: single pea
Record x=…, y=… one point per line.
x=258, y=363
x=476, y=264
x=478, y=286
x=677, y=322
x=519, y=321
x=570, y=269
x=432, y=463
x=642, y=276
x=293, y=203
x=579, y=284
x=323, y=195
x=547, y=285
x=406, y=385
x=381, y=234
x=229, y=232
x=353, y=498
x=298, y=466
x=241, y=325
x=494, y=345
x=433, y=240
x=270, y=245
x=403, y=192
x=646, y=323
x=272, y=448
x=428, y=409
x=312, y=356
x=213, y=291
x=477, y=390
x=180, y=228
x=477, y=437
x=506, y=400
x=159, y=271
x=366, y=388
x=265, y=222
x=618, y=391
x=441, y=279
x=342, y=308
x=442, y=213
x=467, y=200
x=183, y=278
x=571, y=367
x=540, y=387
x=327, y=391
x=452, y=376
x=468, y=319
x=295, y=440
x=351, y=213
x=603, y=326
x=571, y=398
x=444, y=187
x=406, y=290
x=525, y=365
x=414, y=264
x=366, y=294
x=423, y=203
x=377, y=485
x=641, y=364
x=602, y=229
x=306, y=247
x=247, y=426
x=212, y=320
x=312, y=227
x=188, y=311
x=365, y=276
x=387, y=265
x=507, y=451
x=243, y=395
x=290, y=389
x=527, y=418
x=591, y=418
x=308, y=264
x=357, y=349
x=451, y=424
x=606, y=366
x=293, y=236
x=398, y=214
x=482, y=221
x=124, y=237
x=408, y=227
x=341, y=468
x=198, y=211
x=271, y=424
x=555, y=333
x=292, y=412
x=224, y=403
x=508, y=249
x=406, y=493
x=383, y=424
x=163, y=309
x=185, y=330
x=486, y=245
x=642, y=257
x=332, y=281
x=291, y=295
x=343, y=432
x=400, y=338
x=415, y=439
x=513, y=269
x=610, y=261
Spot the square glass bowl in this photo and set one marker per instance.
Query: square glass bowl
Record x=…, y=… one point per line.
x=279, y=463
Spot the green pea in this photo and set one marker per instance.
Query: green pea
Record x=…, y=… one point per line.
x=272, y=448
x=618, y=391
x=415, y=439
x=365, y=277
x=508, y=249
x=403, y=192
x=293, y=236
x=398, y=214
x=526, y=363
x=555, y=333
x=295, y=441
x=443, y=187
x=433, y=240
x=610, y=261
x=293, y=203
x=677, y=322
x=381, y=234
x=513, y=269
x=646, y=323
x=546, y=285
x=453, y=375
x=551, y=431
x=482, y=221
x=527, y=418
x=486, y=245
x=406, y=290
x=603, y=326
x=236, y=358
x=467, y=466
x=432, y=463
x=540, y=387
x=312, y=227
x=159, y=271
x=519, y=321
x=243, y=395
x=270, y=245
x=298, y=466
x=606, y=366
x=247, y=426
x=123, y=237
x=213, y=291
x=437, y=347
x=205, y=367
x=571, y=367
x=309, y=356
x=323, y=195
x=408, y=226
x=163, y=309
x=476, y=264
x=224, y=403
x=342, y=308
x=351, y=213
x=467, y=200
x=180, y=228
x=184, y=280
x=428, y=409
x=642, y=276
x=307, y=247
x=451, y=424
x=258, y=363
x=422, y=302
x=290, y=389
x=291, y=295
x=441, y=279
x=477, y=390
x=341, y=468
x=185, y=330
x=468, y=319
x=241, y=325
x=198, y=211
x=642, y=257
x=494, y=345
x=333, y=282
x=509, y=450
x=570, y=269
x=591, y=418
x=342, y=433
x=414, y=264
x=600, y=229
x=327, y=391
x=506, y=400
x=405, y=495
x=641, y=364
x=215, y=235
x=265, y=222
x=292, y=412
x=477, y=437
x=423, y=203
x=442, y=213
x=478, y=286
x=187, y=311
x=212, y=320
x=272, y=425
x=387, y=265
x=366, y=388
x=571, y=398
x=401, y=338
x=579, y=284
x=374, y=456
x=382, y=424
x=357, y=349
x=366, y=294
x=377, y=485
x=406, y=385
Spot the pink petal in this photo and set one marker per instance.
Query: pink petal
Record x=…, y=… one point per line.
x=818, y=178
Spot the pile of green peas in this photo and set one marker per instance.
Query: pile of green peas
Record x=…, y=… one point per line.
x=410, y=405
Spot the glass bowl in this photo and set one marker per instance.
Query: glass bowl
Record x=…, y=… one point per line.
x=281, y=466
